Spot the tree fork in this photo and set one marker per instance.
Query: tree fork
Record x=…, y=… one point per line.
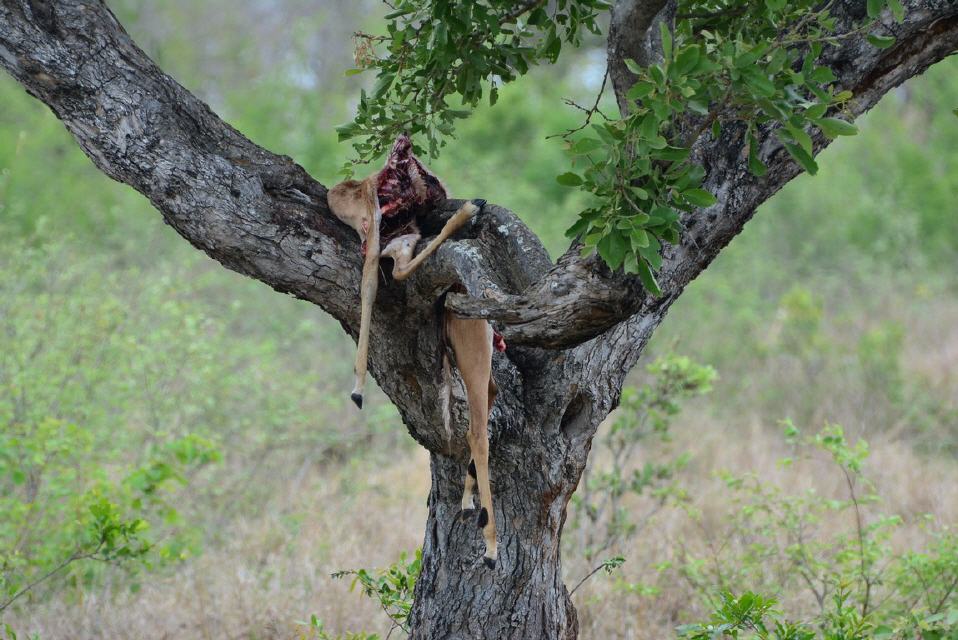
x=575, y=328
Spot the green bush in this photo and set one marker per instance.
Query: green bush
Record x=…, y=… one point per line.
x=835, y=553
x=599, y=519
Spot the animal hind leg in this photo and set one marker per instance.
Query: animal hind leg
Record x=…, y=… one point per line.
x=468, y=503
x=471, y=341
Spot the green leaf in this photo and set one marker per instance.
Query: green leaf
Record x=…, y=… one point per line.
x=347, y=131
x=686, y=60
x=651, y=252
x=816, y=111
x=666, y=35
x=640, y=239
x=882, y=42
x=699, y=197
x=897, y=10
x=649, y=128
x=569, y=179
x=716, y=129
x=800, y=137
x=749, y=58
x=400, y=12
x=352, y=72
x=674, y=154
x=873, y=7
x=802, y=157
x=697, y=107
x=383, y=84
x=656, y=72
x=760, y=84
x=639, y=90
x=822, y=75
x=633, y=66
x=833, y=127
x=775, y=5
x=658, y=142
x=586, y=145
x=648, y=278
x=755, y=164
x=612, y=248
x=552, y=46
x=581, y=226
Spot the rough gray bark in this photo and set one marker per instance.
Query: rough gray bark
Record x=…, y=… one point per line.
x=633, y=34
x=575, y=328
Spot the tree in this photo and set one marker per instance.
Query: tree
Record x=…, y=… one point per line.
x=576, y=327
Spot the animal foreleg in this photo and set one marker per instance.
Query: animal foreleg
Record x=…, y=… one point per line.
x=458, y=219
x=367, y=296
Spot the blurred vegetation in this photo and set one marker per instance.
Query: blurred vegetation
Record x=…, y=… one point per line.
x=151, y=400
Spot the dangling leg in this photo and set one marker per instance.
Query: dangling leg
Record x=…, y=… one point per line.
x=367, y=296
x=472, y=344
x=468, y=504
x=458, y=219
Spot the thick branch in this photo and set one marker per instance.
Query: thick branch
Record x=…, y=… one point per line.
x=579, y=299
x=256, y=212
x=631, y=36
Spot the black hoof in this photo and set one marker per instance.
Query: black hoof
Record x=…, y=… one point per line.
x=483, y=519
x=465, y=514
x=357, y=398
x=479, y=202
x=489, y=562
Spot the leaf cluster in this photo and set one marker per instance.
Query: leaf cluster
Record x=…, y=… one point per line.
x=725, y=63
x=439, y=52
x=391, y=587
x=748, y=65
x=776, y=540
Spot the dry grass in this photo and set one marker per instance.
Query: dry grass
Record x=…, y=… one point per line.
x=275, y=567
x=274, y=571
x=910, y=485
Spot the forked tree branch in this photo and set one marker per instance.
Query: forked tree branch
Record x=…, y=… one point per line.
x=262, y=215
x=580, y=299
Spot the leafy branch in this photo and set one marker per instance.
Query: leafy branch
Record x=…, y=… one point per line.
x=724, y=63
x=435, y=51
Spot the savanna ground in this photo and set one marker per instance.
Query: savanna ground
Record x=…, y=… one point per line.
x=134, y=369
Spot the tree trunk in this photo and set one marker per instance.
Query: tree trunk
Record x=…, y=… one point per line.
x=575, y=328
x=524, y=597
x=539, y=451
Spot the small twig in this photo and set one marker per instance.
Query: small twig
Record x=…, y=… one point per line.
x=589, y=575
x=73, y=558
x=944, y=598
x=589, y=112
x=518, y=11
x=861, y=539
